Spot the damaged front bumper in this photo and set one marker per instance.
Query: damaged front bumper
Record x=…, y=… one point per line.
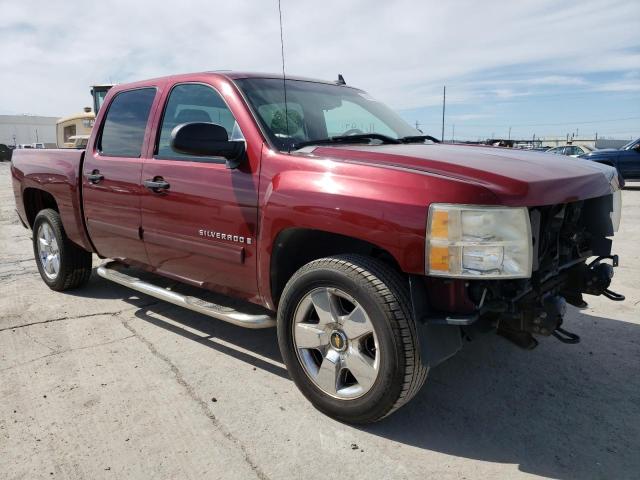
x=572, y=257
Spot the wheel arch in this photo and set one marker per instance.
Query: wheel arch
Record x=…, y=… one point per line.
x=35, y=200
x=294, y=247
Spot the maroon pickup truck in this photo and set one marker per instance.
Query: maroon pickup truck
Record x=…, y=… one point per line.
x=308, y=205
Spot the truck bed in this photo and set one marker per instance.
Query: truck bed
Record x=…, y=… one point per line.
x=56, y=172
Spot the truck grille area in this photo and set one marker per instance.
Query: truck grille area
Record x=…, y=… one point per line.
x=566, y=233
x=564, y=237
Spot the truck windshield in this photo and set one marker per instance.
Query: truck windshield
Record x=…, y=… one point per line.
x=319, y=111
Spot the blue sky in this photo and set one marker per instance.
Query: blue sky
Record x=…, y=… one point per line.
x=606, y=104
x=543, y=67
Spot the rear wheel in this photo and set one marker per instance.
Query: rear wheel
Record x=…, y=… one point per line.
x=348, y=339
x=62, y=264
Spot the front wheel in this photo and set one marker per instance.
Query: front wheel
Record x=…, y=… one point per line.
x=62, y=264
x=348, y=339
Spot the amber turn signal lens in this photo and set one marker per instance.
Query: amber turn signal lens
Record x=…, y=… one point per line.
x=440, y=224
x=439, y=258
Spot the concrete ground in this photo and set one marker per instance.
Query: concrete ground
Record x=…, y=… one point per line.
x=102, y=383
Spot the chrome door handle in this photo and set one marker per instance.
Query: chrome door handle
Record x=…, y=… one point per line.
x=95, y=176
x=157, y=185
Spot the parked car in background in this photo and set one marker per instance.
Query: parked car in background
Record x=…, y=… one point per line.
x=626, y=160
x=570, y=150
x=5, y=152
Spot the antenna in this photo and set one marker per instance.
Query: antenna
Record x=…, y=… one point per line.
x=284, y=78
x=444, y=102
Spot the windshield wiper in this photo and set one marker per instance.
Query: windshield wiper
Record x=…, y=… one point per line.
x=359, y=138
x=418, y=139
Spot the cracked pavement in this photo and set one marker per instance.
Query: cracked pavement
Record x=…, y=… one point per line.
x=106, y=383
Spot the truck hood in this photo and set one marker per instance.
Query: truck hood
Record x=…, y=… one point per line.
x=516, y=177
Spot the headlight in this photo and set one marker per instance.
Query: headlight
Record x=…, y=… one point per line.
x=467, y=241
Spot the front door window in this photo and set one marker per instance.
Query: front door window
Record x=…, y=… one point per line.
x=194, y=103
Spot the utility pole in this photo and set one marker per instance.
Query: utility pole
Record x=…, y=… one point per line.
x=444, y=103
x=509, y=133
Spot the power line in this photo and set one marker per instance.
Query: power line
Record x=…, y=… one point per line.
x=578, y=122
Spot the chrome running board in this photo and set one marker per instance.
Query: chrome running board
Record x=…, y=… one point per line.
x=220, y=312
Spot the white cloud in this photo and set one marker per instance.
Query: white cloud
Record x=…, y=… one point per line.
x=402, y=51
x=506, y=93
x=464, y=117
x=621, y=86
x=630, y=82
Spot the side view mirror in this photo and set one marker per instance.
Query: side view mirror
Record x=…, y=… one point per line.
x=207, y=140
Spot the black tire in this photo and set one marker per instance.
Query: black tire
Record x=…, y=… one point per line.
x=383, y=293
x=75, y=262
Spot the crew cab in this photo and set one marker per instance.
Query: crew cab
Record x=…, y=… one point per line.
x=307, y=205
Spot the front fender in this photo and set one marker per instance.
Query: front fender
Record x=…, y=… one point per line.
x=385, y=207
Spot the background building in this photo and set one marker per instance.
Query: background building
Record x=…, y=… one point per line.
x=17, y=129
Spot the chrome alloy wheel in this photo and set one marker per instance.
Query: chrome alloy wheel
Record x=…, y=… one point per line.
x=48, y=251
x=336, y=343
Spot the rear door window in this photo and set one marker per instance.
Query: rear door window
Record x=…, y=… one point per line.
x=126, y=122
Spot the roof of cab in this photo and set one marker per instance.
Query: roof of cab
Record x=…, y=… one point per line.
x=228, y=74
x=241, y=75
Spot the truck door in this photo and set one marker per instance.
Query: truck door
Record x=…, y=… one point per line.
x=111, y=178
x=200, y=225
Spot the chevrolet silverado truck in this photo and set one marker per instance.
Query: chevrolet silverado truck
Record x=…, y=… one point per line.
x=307, y=205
